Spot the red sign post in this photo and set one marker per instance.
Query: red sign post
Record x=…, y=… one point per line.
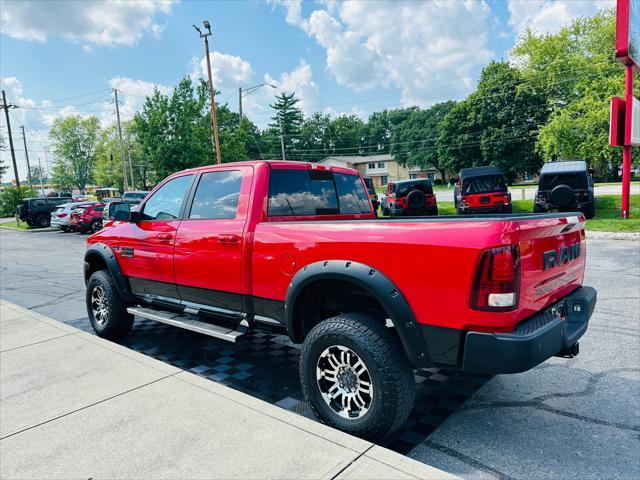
x=628, y=52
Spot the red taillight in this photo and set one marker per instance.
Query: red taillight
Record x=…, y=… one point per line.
x=61, y=215
x=464, y=202
x=497, y=280
x=430, y=199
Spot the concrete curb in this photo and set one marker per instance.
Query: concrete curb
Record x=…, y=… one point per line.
x=63, y=387
x=596, y=234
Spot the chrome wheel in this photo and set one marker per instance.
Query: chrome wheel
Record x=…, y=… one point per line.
x=99, y=306
x=344, y=382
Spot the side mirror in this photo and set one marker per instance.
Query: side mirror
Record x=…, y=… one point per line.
x=119, y=211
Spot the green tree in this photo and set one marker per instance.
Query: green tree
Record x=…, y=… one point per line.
x=414, y=142
x=578, y=74
x=11, y=197
x=315, y=138
x=287, y=119
x=347, y=133
x=108, y=172
x=376, y=134
x=74, y=141
x=174, y=132
x=497, y=124
x=3, y=167
x=458, y=145
x=38, y=174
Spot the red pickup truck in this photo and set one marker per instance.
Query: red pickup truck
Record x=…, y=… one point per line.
x=223, y=249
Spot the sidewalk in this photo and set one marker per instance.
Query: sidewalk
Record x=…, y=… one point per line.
x=74, y=405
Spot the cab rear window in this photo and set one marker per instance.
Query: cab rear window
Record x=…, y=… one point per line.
x=315, y=192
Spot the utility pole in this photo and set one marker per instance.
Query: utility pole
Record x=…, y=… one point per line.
x=125, y=185
x=26, y=154
x=212, y=97
x=41, y=179
x=6, y=108
x=240, y=102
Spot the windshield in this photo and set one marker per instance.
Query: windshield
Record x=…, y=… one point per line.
x=494, y=183
x=574, y=180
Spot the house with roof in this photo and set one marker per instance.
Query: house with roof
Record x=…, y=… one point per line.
x=382, y=168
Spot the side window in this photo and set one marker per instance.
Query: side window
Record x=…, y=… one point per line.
x=165, y=203
x=351, y=194
x=302, y=192
x=217, y=195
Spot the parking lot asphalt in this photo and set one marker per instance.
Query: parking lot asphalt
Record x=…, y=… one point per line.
x=577, y=418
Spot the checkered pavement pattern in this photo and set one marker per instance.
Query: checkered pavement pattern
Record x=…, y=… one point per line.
x=265, y=365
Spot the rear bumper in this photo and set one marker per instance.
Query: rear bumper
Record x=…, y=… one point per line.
x=485, y=209
x=533, y=341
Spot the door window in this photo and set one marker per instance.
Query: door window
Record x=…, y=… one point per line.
x=217, y=195
x=166, y=202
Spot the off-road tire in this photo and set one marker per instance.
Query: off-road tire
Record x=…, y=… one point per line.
x=119, y=322
x=508, y=209
x=42, y=221
x=589, y=211
x=537, y=209
x=385, y=212
x=382, y=353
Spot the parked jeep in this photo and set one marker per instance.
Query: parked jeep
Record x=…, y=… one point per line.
x=411, y=197
x=565, y=186
x=482, y=190
x=37, y=211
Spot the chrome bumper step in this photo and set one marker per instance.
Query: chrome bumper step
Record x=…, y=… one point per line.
x=188, y=322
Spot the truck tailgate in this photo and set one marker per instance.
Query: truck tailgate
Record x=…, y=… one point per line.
x=552, y=260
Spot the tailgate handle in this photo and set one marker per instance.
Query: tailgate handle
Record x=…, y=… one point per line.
x=228, y=238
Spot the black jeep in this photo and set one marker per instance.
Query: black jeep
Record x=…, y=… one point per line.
x=565, y=186
x=37, y=211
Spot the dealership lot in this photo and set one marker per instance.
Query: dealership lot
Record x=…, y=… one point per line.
x=574, y=418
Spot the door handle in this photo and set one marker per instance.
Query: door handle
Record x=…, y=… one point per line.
x=164, y=236
x=228, y=238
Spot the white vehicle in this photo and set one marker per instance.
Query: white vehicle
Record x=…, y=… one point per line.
x=60, y=216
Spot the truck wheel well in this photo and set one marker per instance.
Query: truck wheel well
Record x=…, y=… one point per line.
x=96, y=263
x=326, y=298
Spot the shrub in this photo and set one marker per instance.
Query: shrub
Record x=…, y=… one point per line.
x=11, y=197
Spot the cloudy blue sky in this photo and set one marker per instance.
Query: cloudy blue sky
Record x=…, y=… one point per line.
x=65, y=57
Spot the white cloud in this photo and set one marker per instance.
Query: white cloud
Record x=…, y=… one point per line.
x=410, y=45
x=104, y=23
x=299, y=80
x=548, y=16
x=228, y=71
x=131, y=96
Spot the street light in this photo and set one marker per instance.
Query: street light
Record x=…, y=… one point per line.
x=214, y=123
x=244, y=92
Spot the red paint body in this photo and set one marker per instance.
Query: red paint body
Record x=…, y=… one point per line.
x=431, y=261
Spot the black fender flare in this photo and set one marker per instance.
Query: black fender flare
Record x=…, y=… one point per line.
x=108, y=256
x=378, y=285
